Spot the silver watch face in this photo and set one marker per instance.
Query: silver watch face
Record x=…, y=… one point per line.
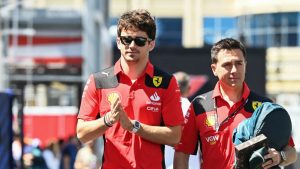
x=283, y=156
x=137, y=124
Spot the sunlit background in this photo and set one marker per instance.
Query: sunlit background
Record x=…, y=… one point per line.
x=49, y=47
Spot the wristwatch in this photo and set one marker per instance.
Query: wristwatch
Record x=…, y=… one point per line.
x=283, y=156
x=136, y=126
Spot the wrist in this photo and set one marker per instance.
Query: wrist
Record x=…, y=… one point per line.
x=107, y=122
x=283, y=157
x=135, y=126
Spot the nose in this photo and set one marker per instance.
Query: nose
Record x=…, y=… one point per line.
x=234, y=68
x=132, y=44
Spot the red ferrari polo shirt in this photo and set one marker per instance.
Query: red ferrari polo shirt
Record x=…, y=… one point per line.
x=148, y=100
x=215, y=137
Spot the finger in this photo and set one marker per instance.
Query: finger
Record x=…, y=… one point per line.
x=268, y=163
x=268, y=156
x=118, y=109
x=115, y=102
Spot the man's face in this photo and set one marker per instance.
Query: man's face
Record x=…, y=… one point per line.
x=230, y=68
x=134, y=45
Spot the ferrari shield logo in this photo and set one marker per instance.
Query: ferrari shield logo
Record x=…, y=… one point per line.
x=112, y=97
x=210, y=121
x=255, y=104
x=157, y=80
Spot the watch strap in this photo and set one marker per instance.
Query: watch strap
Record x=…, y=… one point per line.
x=283, y=156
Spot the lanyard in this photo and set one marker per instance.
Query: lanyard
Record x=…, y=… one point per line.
x=217, y=125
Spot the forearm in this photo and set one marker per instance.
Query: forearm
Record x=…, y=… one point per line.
x=181, y=160
x=160, y=134
x=157, y=134
x=291, y=155
x=90, y=130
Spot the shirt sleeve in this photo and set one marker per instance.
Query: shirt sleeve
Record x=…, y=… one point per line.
x=291, y=142
x=171, y=110
x=189, y=139
x=89, y=106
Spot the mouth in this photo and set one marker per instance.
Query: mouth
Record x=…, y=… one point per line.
x=131, y=52
x=234, y=79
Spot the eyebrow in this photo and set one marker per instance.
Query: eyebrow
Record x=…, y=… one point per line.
x=235, y=61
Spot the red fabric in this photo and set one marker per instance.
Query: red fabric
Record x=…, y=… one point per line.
x=42, y=40
x=38, y=126
x=122, y=148
x=217, y=146
x=291, y=142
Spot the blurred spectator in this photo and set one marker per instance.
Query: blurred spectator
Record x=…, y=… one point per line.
x=68, y=154
x=17, y=150
x=33, y=158
x=52, y=155
x=86, y=157
x=183, y=80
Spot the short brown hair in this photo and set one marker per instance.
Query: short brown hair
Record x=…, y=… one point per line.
x=227, y=43
x=139, y=19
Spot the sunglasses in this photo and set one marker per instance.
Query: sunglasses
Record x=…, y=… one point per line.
x=139, y=41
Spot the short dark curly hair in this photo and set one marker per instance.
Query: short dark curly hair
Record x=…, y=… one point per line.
x=139, y=19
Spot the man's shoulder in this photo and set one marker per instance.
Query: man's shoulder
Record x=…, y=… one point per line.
x=254, y=101
x=160, y=79
x=106, y=78
x=258, y=97
x=161, y=72
x=204, y=103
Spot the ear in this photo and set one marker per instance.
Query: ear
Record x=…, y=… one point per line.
x=151, y=45
x=213, y=68
x=118, y=43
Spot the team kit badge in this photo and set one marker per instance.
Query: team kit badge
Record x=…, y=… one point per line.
x=112, y=97
x=210, y=121
x=256, y=104
x=157, y=80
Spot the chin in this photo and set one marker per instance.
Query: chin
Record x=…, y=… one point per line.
x=236, y=85
x=130, y=58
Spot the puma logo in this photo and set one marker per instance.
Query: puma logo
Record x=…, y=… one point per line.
x=105, y=73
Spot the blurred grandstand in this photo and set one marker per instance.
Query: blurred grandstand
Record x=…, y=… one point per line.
x=48, y=48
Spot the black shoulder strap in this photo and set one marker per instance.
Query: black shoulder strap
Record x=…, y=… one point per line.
x=106, y=79
x=203, y=103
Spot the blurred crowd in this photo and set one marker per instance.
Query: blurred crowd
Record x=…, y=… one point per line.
x=57, y=154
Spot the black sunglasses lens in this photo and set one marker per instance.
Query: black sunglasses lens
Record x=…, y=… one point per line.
x=140, y=41
x=126, y=40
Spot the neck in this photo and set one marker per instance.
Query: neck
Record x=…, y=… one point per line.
x=133, y=69
x=231, y=95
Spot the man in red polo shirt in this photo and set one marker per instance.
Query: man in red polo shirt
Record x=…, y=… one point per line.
x=213, y=116
x=138, y=104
